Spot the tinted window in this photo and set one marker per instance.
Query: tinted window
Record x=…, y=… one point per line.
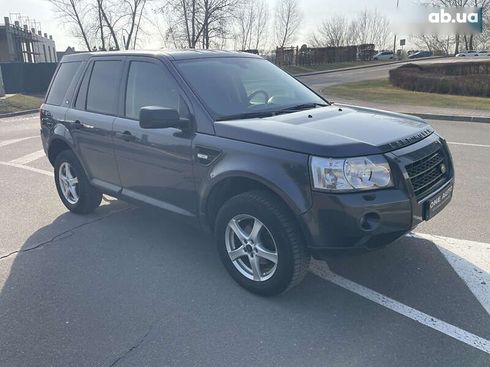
x=102, y=89
x=151, y=85
x=230, y=86
x=82, y=91
x=61, y=82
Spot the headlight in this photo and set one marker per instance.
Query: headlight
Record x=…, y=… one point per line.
x=351, y=174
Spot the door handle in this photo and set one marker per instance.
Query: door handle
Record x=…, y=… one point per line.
x=126, y=136
x=79, y=125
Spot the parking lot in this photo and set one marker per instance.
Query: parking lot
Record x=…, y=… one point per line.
x=133, y=286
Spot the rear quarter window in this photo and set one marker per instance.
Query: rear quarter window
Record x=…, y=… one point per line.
x=62, y=80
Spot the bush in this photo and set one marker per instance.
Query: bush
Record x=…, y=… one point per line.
x=461, y=78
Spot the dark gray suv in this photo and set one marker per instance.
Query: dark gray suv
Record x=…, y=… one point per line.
x=228, y=139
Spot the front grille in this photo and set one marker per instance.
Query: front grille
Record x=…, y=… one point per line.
x=427, y=174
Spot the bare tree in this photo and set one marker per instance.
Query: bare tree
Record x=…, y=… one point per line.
x=259, y=30
x=103, y=8
x=252, y=21
x=134, y=10
x=122, y=20
x=75, y=12
x=335, y=32
x=370, y=26
x=434, y=43
x=199, y=22
x=287, y=21
x=482, y=40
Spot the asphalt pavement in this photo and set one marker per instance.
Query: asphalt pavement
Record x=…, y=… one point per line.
x=320, y=81
x=132, y=286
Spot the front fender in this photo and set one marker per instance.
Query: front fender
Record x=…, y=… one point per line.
x=283, y=172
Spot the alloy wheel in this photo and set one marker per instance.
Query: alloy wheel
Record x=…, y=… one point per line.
x=251, y=247
x=68, y=183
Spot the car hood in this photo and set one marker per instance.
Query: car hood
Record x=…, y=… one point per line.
x=333, y=131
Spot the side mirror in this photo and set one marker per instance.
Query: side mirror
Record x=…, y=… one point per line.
x=154, y=117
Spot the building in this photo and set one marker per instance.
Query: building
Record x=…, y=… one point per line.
x=18, y=43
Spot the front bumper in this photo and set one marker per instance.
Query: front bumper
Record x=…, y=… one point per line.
x=374, y=218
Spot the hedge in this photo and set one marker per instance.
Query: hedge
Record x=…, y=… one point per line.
x=461, y=78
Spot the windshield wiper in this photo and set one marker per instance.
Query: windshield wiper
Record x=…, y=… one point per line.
x=260, y=114
x=303, y=106
x=247, y=115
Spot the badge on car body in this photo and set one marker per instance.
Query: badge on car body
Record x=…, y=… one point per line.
x=443, y=168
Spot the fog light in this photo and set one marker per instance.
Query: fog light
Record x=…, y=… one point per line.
x=369, y=221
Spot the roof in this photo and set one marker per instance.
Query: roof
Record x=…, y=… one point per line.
x=170, y=54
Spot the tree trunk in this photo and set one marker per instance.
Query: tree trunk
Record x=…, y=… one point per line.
x=102, y=40
x=111, y=28
x=80, y=25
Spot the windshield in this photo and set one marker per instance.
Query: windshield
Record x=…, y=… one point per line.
x=233, y=87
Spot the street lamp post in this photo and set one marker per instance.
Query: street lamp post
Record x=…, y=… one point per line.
x=394, y=37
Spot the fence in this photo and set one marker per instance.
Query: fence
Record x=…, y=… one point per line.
x=322, y=55
x=26, y=77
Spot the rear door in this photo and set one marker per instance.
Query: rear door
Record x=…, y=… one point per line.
x=92, y=118
x=155, y=165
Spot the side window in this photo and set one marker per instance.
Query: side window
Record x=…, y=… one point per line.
x=80, y=102
x=102, y=88
x=149, y=84
x=61, y=82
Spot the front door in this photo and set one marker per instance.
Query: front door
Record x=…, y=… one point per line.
x=155, y=165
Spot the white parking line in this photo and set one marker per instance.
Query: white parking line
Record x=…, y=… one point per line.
x=13, y=141
x=320, y=268
x=29, y=157
x=469, y=144
x=32, y=169
x=471, y=260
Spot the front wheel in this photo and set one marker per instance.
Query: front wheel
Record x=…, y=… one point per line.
x=73, y=186
x=260, y=244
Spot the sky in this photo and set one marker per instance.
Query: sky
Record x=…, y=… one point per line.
x=314, y=11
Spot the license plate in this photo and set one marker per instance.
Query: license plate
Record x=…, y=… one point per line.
x=438, y=202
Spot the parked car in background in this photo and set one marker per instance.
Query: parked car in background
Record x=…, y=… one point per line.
x=384, y=55
x=474, y=53
x=419, y=54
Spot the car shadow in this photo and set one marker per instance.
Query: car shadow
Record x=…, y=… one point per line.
x=138, y=286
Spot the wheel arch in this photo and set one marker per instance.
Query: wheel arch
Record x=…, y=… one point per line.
x=232, y=184
x=56, y=146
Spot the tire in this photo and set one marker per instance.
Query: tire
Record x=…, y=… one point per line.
x=278, y=238
x=85, y=198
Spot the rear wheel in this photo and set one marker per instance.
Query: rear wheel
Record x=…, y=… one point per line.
x=260, y=244
x=72, y=184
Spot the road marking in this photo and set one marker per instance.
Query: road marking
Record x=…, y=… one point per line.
x=320, y=268
x=13, y=141
x=32, y=169
x=469, y=144
x=29, y=157
x=470, y=260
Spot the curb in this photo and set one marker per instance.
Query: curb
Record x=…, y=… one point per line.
x=431, y=116
x=18, y=113
x=367, y=66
